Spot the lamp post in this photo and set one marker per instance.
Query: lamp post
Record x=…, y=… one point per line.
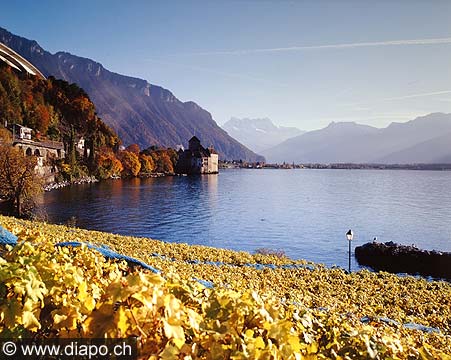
x=349, y=236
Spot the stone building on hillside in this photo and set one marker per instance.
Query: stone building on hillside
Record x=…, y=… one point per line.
x=197, y=159
x=47, y=152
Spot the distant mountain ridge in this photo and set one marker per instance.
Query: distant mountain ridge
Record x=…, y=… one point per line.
x=259, y=134
x=426, y=139
x=138, y=111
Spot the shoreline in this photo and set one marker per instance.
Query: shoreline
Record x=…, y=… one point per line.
x=58, y=185
x=92, y=179
x=339, y=166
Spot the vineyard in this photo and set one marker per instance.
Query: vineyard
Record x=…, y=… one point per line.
x=207, y=303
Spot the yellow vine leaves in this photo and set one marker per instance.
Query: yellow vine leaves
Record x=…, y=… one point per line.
x=281, y=313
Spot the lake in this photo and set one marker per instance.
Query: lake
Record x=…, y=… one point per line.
x=305, y=213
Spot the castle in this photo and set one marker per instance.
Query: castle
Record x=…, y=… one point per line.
x=197, y=159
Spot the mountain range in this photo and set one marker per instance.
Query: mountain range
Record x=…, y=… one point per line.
x=138, y=111
x=426, y=139
x=148, y=114
x=259, y=134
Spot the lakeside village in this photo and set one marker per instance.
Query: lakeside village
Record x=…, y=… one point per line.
x=196, y=159
x=344, y=166
x=30, y=163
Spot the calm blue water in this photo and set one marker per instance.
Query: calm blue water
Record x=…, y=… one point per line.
x=306, y=213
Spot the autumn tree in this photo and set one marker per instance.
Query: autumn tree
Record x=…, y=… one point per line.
x=18, y=182
x=173, y=155
x=5, y=136
x=162, y=161
x=108, y=165
x=43, y=116
x=147, y=164
x=130, y=162
x=134, y=148
x=10, y=101
x=57, y=110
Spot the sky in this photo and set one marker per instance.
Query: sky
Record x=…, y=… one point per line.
x=299, y=63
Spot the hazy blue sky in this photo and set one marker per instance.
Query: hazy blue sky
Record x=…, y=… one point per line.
x=300, y=63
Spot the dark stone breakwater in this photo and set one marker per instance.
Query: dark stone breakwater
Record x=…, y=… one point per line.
x=395, y=258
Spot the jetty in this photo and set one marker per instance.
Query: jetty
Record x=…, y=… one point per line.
x=395, y=258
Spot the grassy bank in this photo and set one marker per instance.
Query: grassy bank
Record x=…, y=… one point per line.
x=307, y=312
